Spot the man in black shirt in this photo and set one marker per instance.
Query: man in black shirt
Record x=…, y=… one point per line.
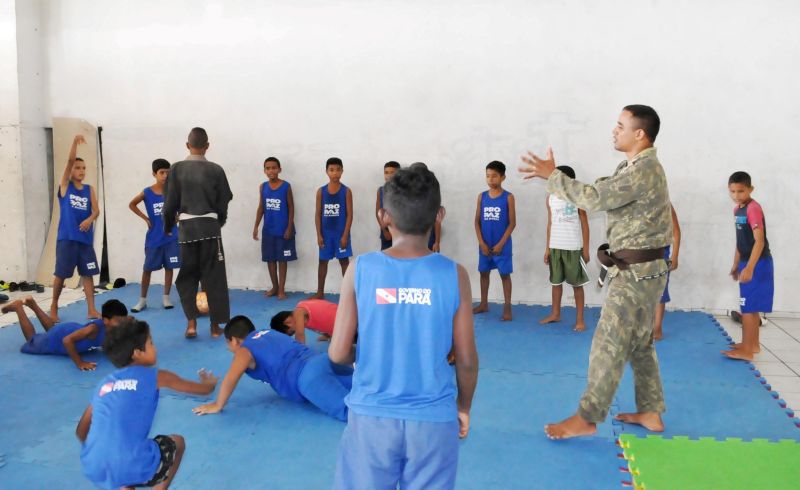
x=197, y=194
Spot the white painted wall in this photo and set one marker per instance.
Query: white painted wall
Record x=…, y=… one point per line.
x=454, y=84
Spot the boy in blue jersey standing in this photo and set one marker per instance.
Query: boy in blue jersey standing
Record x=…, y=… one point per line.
x=495, y=219
x=410, y=307
x=389, y=169
x=161, y=250
x=65, y=339
x=333, y=219
x=75, y=243
x=115, y=448
x=294, y=371
x=276, y=206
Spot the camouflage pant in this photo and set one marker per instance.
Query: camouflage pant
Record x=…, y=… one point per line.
x=624, y=333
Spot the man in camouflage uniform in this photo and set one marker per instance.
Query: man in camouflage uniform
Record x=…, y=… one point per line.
x=637, y=204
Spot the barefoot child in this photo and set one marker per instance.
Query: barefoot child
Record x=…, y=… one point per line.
x=65, y=339
x=495, y=219
x=115, y=448
x=333, y=219
x=276, y=206
x=752, y=265
x=315, y=314
x=409, y=308
x=567, y=252
x=670, y=256
x=161, y=250
x=293, y=370
x=75, y=244
x=389, y=168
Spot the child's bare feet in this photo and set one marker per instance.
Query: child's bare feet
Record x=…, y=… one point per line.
x=481, y=308
x=216, y=332
x=574, y=426
x=318, y=295
x=29, y=301
x=579, y=327
x=506, y=313
x=54, y=314
x=551, y=318
x=270, y=293
x=94, y=315
x=738, y=354
x=13, y=306
x=649, y=420
x=282, y=296
x=739, y=347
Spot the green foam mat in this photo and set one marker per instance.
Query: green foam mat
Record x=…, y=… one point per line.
x=706, y=463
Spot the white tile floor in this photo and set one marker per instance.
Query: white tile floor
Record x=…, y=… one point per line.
x=779, y=360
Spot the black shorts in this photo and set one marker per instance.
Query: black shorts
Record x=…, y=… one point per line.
x=168, y=449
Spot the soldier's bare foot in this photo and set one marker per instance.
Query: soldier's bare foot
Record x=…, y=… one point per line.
x=551, y=318
x=270, y=293
x=738, y=354
x=481, y=308
x=739, y=347
x=94, y=315
x=215, y=330
x=13, y=306
x=318, y=295
x=574, y=426
x=579, y=327
x=649, y=420
x=506, y=314
x=191, y=330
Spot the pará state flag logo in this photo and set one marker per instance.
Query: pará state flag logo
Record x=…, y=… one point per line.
x=107, y=388
x=385, y=296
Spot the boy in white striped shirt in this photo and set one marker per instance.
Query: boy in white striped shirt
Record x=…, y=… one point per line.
x=567, y=252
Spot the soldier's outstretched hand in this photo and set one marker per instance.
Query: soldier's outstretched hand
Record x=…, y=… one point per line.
x=536, y=166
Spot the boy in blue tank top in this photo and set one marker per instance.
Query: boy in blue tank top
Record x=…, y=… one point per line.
x=294, y=371
x=75, y=243
x=333, y=219
x=161, y=250
x=68, y=338
x=276, y=206
x=116, y=450
x=389, y=169
x=410, y=307
x=495, y=219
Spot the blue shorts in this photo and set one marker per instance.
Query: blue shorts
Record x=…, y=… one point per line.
x=756, y=296
x=276, y=249
x=38, y=344
x=71, y=254
x=167, y=256
x=325, y=385
x=331, y=248
x=665, y=296
x=502, y=263
x=379, y=453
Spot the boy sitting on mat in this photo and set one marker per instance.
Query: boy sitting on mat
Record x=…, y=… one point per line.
x=65, y=339
x=293, y=370
x=115, y=448
x=315, y=314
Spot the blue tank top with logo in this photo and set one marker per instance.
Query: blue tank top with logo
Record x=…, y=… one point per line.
x=494, y=220
x=279, y=361
x=156, y=237
x=56, y=335
x=117, y=451
x=405, y=331
x=276, y=209
x=75, y=206
x=334, y=211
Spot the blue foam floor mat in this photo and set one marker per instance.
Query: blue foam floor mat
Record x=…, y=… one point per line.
x=530, y=375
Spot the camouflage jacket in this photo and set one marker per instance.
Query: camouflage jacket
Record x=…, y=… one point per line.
x=637, y=205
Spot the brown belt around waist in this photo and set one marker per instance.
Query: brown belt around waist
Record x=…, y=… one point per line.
x=625, y=257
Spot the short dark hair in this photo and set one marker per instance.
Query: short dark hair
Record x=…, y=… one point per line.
x=130, y=335
x=392, y=164
x=112, y=308
x=198, y=138
x=160, y=163
x=497, y=166
x=333, y=161
x=239, y=327
x=412, y=197
x=566, y=170
x=272, y=159
x=79, y=159
x=740, y=177
x=276, y=323
x=647, y=118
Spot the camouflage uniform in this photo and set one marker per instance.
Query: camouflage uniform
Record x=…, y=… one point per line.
x=636, y=201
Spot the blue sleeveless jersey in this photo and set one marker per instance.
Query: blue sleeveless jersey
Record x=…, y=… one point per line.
x=117, y=451
x=334, y=211
x=75, y=206
x=156, y=237
x=405, y=331
x=276, y=209
x=279, y=360
x=56, y=335
x=494, y=220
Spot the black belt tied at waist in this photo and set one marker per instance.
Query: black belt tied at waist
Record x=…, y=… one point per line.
x=625, y=257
